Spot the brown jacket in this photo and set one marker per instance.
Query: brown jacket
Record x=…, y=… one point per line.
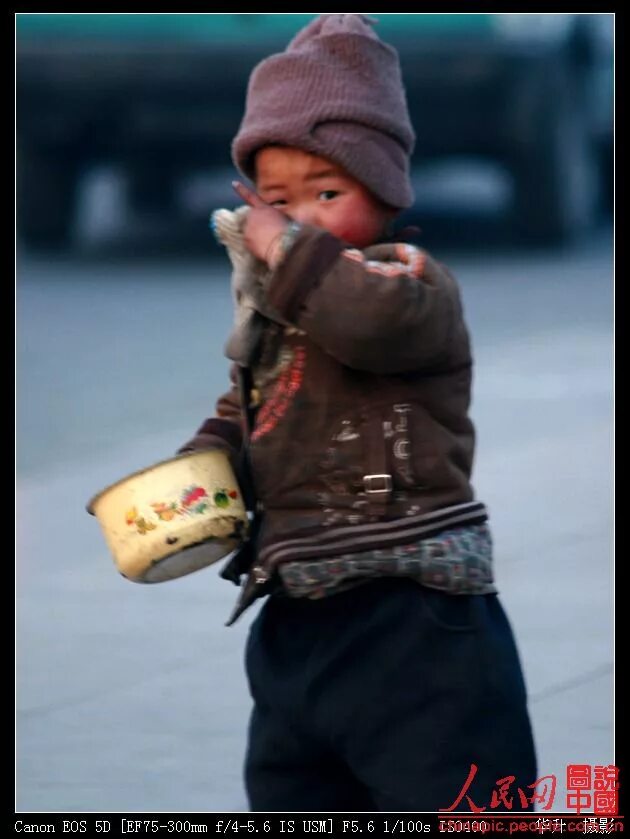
x=361, y=437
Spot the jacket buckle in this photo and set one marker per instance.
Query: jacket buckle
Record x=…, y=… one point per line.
x=377, y=483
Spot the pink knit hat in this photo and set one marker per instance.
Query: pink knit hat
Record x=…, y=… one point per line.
x=337, y=92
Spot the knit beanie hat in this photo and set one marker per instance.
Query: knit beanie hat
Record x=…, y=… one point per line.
x=336, y=92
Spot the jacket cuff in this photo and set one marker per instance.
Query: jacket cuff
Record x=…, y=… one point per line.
x=311, y=255
x=215, y=433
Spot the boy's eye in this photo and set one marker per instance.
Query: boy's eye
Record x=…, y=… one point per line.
x=328, y=194
x=279, y=202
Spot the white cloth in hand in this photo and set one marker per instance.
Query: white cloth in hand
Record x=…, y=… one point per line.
x=249, y=274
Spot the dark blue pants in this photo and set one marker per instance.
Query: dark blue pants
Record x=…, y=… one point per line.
x=381, y=698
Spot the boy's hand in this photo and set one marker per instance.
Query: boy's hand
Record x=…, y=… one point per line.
x=264, y=226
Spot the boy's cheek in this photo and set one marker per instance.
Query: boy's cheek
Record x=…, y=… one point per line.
x=357, y=222
x=356, y=233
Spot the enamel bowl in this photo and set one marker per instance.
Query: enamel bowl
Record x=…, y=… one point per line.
x=173, y=518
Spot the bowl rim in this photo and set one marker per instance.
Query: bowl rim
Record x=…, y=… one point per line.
x=182, y=456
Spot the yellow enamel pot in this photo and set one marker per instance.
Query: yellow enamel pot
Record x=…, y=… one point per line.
x=173, y=518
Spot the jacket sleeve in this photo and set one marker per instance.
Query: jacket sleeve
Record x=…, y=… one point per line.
x=225, y=430
x=389, y=309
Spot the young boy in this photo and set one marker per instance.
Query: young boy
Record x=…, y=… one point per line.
x=383, y=670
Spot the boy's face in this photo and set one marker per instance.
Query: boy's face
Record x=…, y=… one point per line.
x=313, y=190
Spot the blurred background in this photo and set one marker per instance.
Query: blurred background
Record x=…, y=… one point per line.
x=133, y=698
x=520, y=102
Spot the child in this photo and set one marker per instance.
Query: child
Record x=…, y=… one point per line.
x=383, y=670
